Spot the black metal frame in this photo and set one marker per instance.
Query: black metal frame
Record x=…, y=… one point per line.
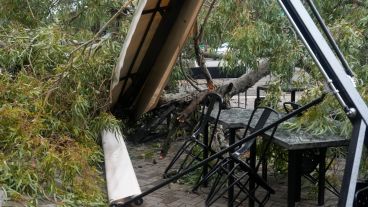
x=144, y=133
x=247, y=172
x=187, y=150
x=339, y=77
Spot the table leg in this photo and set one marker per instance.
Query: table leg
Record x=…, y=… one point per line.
x=205, y=154
x=293, y=177
x=299, y=175
x=322, y=176
x=264, y=168
x=252, y=163
x=231, y=166
x=292, y=98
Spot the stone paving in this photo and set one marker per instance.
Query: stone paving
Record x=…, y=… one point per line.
x=149, y=171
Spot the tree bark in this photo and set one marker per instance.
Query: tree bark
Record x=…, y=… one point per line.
x=198, y=36
x=238, y=85
x=246, y=81
x=235, y=86
x=200, y=58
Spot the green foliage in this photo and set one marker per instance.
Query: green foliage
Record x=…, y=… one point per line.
x=53, y=94
x=259, y=29
x=53, y=98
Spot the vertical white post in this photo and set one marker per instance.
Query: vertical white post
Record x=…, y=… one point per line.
x=120, y=176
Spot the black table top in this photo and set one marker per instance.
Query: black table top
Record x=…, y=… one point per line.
x=283, y=88
x=236, y=118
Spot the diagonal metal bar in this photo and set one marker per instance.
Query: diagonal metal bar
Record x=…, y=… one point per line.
x=330, y=38
x=222, y=152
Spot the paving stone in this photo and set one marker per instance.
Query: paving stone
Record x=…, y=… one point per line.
x=177, y=195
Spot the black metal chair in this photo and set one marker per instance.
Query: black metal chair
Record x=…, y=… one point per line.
x=194, y=149
x=361, y=194
x=242, y=174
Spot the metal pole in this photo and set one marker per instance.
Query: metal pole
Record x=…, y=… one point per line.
x=330, y=38
x=352, y=164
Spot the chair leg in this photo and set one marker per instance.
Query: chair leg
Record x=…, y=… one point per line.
x=206, y=177
x=216, y=188
x=195, y=157
x=220, y=169
x=176, y=157
x=183, y=149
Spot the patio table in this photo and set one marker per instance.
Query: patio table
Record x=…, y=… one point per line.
x=294, y=143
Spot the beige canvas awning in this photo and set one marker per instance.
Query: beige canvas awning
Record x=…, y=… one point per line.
x=158, y=31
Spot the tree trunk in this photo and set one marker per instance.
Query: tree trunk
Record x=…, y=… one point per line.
x=246, y=81
x=235, y=86
x=238, y=85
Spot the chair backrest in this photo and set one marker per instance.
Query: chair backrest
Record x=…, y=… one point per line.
x=211, y=103
x=361, y=194
x=260, y=117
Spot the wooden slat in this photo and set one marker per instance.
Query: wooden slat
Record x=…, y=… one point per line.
x=161, y=71
x=151, y=55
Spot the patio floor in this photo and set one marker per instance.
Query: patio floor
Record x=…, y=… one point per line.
x=149, y=169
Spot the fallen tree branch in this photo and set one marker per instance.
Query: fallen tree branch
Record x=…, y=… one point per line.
x=192, y=106
x=102, y=29
x=246, y=81
x=198, y=36
x=235, y=86
x=187, y=78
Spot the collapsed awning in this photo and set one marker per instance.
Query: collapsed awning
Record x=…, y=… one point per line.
x=157, y=33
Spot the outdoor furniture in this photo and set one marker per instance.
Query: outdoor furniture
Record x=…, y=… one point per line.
x=295, y=144
x=219, y=154
x=194, y=149
x=148, y=131
x=234, y=171
x=361, y=194
x=291, y=90
x=310, y=158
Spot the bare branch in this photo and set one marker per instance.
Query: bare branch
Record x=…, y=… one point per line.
x=201, y=31
x=191, y=82
x=102, y=29
x=198, y=52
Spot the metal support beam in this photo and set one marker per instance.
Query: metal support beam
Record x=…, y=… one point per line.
x=352, y=164
x=330, y=38
x=338, y=76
